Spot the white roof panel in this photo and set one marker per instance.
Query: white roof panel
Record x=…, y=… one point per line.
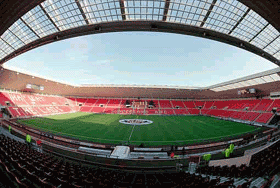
x=267, y=78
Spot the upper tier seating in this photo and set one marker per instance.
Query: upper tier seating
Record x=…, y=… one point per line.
x=74, y=101
x=165, y=104
x=156, y=103
x=234, y=104
x=90, y=102
x=208, y=104
x=263, y=105
x=179, y=104
x=62, y=101
x=81, y=101
x=114, y=103
x=251, y=104
x=275, y=104
x=189, y=104
x=199, y=103
x=219, y=104
x=101, y=101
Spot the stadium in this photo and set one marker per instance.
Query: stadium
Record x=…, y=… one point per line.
x=56, y=134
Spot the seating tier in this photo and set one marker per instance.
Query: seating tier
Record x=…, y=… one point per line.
x=165, y=104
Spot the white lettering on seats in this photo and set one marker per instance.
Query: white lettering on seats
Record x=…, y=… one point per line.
x=43, y=110
x=30, y=111
x=16, y=109
x=35, y=98
x=54, y=109
x=17, y=97
x=31, y=98
x=12, y=97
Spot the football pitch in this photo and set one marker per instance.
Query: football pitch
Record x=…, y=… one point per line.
x=165, y=130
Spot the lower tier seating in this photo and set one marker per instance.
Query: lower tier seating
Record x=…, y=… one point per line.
x=26, y=167
x=263, y=118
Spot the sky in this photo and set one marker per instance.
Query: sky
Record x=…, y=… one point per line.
x=140, y=58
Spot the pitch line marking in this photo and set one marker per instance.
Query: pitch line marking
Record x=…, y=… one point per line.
x=131, y=133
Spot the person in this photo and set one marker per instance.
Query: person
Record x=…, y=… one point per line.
x=10, y=128
x=39, y=143
x=28, y=140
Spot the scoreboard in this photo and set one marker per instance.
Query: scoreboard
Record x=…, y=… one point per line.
x=33, y=86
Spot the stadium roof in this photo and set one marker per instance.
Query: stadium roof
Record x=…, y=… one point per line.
x=244, y=82
x=252, y=80
x=251, y=25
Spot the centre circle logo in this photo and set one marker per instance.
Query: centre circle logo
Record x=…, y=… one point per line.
x=136, y=121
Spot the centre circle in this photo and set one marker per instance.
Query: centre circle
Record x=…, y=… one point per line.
x=136, y=121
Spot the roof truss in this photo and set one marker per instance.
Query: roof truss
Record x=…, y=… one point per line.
x=82, y=11
x=239, y=21
x=208, y=12
x=49, y=17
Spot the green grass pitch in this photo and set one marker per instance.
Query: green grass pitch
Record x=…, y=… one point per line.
x=165, y=130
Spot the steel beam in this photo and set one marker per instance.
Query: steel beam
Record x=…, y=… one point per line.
x=122, y=9
x=8, y=44
x=3, y=51
x=271, y=42
x=166, y=8
x=259, y=32
x=49, y=17
x=208, y=13
x=29, y=27
x=276, y=52
x=16, y=36
x=82, y=11
x=164, y=27
x=245, y=14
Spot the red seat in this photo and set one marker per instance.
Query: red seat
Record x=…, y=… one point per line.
x=165, y=104
x=179, y=104
x=264, y=118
